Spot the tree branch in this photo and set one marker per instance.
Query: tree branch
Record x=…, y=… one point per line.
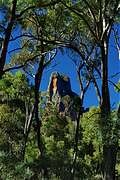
x=50, y=60
x=114, y=85
x=91, y=11
x=97, y=90
x=41, y=5
x=20, y=66
x=82, y=16
x=24, y=35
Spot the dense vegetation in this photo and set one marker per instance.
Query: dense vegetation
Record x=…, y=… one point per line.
x=36, y=141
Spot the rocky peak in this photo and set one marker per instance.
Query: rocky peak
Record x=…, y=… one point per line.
x=60, y=85
x=60, y=92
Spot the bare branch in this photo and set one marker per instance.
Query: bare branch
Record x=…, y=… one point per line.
x=24, y=11
x=28, y=121
x=97, y=90
x=85, y=90
x=87, y=85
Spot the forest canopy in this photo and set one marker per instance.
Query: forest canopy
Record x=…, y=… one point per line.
x=52, y=134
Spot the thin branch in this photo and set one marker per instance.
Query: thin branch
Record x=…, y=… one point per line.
x=114, y=85
x=91, y=11
x=17, y=49
x=31, y=75
x=87, y=85
x=50, y=60
x=85, y=90
x=80, y=81
x=53, y=66
x=93, y=115
x=116, y=74
x=2, y=27
x=28, y=120
x=23, y=35
x=41, y=5
x=24, y=11
x=95, y=83
x=20, y=66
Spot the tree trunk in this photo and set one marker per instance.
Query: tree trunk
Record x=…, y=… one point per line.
x=105, y=104
x=109, y=151
x=38, y=78
x=41, y=146
x=27, y=130
x=7, y=38
x=75, y=146
x=109, y=154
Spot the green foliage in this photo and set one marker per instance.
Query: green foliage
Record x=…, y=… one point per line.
x=58, y=135
x=91, y=144
x=95, y=133
x=52, y=26
x=117, y=88
x=14, y=86
x=13, y=95
x=32, y=152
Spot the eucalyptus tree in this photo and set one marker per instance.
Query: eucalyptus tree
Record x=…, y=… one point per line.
x=98, y=18
x=85, y=56
x=12, y=13
x=15, y=103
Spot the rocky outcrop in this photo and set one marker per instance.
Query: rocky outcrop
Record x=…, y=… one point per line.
x=60, y=93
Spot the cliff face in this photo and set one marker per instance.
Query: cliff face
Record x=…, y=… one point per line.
x=60, y=93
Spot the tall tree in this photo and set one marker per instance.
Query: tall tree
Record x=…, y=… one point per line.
x=98, y=17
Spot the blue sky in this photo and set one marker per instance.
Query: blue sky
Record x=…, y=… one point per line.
x=66, y=66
